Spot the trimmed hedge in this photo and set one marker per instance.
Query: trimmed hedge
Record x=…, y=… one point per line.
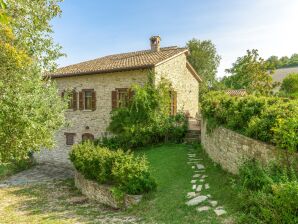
x=269, y=119
x=126, y=172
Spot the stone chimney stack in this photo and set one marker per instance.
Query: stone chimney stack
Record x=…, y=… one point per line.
x=155, y=43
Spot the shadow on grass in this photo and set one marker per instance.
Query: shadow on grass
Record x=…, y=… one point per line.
x=57, y=202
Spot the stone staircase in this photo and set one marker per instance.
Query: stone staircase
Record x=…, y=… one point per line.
x=193, y=134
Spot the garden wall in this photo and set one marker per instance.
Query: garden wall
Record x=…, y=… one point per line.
x=103, y=193
x=231, y=149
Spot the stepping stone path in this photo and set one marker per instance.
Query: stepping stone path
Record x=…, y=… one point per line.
x=196, y=197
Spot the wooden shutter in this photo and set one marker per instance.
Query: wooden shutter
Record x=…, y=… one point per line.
x=131, y=93
x=74, y=100
x=81, y=101
x=93, y=100
x=174, y=102
x=114, y=99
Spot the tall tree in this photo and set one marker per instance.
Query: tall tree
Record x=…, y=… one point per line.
x=205, y=60
x=251, y=73
x=30, y=22
x=30, y=108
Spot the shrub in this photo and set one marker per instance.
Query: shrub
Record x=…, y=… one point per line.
x=146, y=119
x=268, y=194
x=289, y=86
x=269, y=119
x=126, y=172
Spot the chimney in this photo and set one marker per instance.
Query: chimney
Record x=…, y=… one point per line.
x=155, y=43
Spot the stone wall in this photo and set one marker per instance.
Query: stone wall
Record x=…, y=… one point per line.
x=103, y=193
x=186, y=86
x=87, y=121
x=231, y=149
x=95, y=122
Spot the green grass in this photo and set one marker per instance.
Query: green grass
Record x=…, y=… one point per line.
x=173, y=174
x=56, y=202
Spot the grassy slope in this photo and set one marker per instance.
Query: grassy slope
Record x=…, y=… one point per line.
x=173, y=174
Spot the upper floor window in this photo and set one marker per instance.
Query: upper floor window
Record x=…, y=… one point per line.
x=121, y=97
x=87, y=99
x=173, y=106
x=71, y=97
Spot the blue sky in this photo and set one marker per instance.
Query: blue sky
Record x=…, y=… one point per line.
x=91, y=29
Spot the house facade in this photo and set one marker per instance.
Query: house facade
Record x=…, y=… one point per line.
x=96, y=87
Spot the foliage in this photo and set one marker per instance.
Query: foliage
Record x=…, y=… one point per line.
x=274, y=62
x=268, y=194
x=146, y=119
x=30, y=109
x=269, y=119
x=205, y=60
x=125, y=171
x=289, y=86
x=30, y=22
x=250, y=72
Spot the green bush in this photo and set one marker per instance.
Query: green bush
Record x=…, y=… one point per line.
x=269, y=119
x=146, y=119
x=268, y=194
x=126, y=172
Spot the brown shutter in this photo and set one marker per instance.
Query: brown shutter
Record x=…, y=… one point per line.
x=75, y=100
x=93, y=100
x=114, y=99
x=81, y=103
x=174, y=102
x=131, y=93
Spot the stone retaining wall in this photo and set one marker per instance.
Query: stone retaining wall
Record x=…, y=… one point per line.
x=231, y=149
x=102, y=193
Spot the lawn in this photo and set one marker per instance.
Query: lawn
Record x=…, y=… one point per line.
x=60, y=202
x=173, y=174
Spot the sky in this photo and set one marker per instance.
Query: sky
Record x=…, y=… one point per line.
x=91, y=29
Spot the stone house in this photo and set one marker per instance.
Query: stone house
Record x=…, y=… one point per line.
x=97, y=86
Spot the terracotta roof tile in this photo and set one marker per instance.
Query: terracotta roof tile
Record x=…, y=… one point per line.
x=119, y=62
x=236, y=92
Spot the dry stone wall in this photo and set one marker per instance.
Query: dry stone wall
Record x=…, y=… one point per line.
x=231, y=149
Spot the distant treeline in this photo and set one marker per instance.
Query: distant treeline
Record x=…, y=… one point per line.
x=274, y=62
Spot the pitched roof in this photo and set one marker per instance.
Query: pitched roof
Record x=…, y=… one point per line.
x=281, y=73
x=120, y=62
x=236, y=92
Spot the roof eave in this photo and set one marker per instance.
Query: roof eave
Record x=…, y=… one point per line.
x=193, y=72
x=99, y=71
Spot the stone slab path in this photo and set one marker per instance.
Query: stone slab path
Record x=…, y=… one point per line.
x=205, y=202
x=37, y=174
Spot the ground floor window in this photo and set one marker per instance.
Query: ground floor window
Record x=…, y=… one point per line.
x=69, y=138
x=87, y=136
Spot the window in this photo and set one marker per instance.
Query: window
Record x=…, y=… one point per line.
x=87, y=136
x=69, y=138
x=121, y=97
x=88, y=100
x=173, y=106
x=72, y=99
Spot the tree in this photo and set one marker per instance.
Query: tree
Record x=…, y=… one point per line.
x=30, y=108
x=289, y=86
x=273, y=62
x=251, y=73
x=205, y=60
x=30, y=22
